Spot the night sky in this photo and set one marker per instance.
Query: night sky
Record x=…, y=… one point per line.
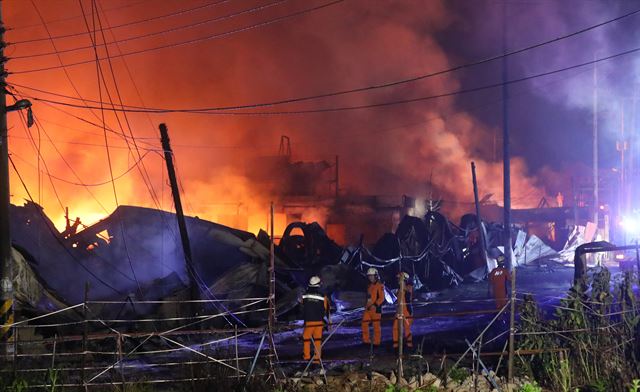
x=251, y=52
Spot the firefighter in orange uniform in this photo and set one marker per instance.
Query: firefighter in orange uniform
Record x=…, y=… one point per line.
x=498, y=283
x=315, y=307
x=407, y=312
x=373, y=308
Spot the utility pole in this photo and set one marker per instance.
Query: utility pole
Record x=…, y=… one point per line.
x=507, y=189
x=483, y=245
x=596, y=201
x=6, y=286
x=182, y=226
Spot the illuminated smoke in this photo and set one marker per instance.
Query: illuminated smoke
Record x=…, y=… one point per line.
x=392, y=150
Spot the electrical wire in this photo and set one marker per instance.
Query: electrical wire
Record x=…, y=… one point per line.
x=225, y=112
x=100, y=76
x=96, y=184
x=53, y=44
x=195, y=40
x=153, y=34
x=143, y=170
x=75, y=174
x=84, y=120
x=41, y=159
x=50, y=176
x=127, y=24
x=65, y=19
x=99, y=145
x=408, y=80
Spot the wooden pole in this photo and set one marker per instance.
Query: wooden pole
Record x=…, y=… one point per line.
x=483, y=245
x=506, y=158
x=596, y=168
x=182, y=225
x=6, y=285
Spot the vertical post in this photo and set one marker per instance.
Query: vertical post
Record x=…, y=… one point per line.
x=85, y=333
x=182, y=226
x=121, y=360
x=272, y=273
x=235, y=330
x=512, y=324
x=506, y=155
x=272, y=292
x=400, y=323
x=632, y=174
x=507, y=180
x=443, y=368
x=6, y=286
x=596, y=180
x=16, y=343
x=52, y=369
x=483, y=246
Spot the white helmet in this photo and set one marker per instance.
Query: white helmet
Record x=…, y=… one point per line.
x=404, y=275
x=314, y=281
x=372, y=271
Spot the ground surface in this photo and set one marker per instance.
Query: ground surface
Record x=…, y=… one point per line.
x=441, y=324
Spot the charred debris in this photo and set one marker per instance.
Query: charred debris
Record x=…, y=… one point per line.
x=134, y=255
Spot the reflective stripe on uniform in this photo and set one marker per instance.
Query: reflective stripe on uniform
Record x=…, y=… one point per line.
x=313, y=296
x=6, y=306
x=6, y=319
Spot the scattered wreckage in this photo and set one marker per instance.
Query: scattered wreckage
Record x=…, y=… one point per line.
x=134, y=255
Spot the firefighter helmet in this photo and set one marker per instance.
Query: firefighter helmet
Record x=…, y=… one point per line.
x=372, y=271
x=404, y=275
x=314, y=281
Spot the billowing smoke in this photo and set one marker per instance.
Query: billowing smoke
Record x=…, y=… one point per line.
x=417, y=149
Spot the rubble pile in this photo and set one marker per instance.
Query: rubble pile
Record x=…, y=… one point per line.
x=135, y=255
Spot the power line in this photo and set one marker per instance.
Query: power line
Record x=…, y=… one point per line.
x=84, y=120
x=142, y=168
x=195, y=40
x=100, y=74
x=132, y=23
x=222, y=112
x=392, y=83
x=138, y=37
x=99, y=145
x=96, y=184
x=66, y=19
x=66, y=73
x=41, y=128
x=36, y=147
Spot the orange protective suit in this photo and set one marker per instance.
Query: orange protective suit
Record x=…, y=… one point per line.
x=407, y=314
x=373, y=313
